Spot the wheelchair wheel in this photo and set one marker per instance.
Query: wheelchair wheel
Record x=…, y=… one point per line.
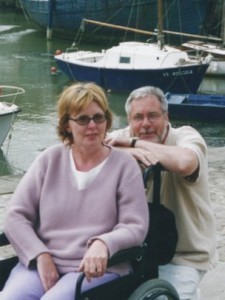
x=153, y=289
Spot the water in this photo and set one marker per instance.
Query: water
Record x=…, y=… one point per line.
x=26, y=58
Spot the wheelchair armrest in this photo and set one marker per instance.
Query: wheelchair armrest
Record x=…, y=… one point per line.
x=130, y=254
x=3, y=240
x=125, y=255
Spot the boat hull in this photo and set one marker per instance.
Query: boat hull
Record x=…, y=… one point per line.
x=185, y=79
x=199, y=107
x=66, y=15
x=6, y=121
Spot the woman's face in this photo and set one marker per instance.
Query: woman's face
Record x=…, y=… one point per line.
x=90, y=134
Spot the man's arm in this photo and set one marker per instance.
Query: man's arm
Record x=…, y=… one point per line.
x=182, y=161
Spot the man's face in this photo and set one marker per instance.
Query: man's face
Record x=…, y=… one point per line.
x=147, y=120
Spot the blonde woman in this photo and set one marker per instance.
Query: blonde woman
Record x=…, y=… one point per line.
x=79, y=203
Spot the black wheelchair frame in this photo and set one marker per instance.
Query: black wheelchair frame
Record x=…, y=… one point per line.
x=141, y=284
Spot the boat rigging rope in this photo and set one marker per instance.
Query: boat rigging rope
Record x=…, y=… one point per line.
x=131, y=3
x=24, y=11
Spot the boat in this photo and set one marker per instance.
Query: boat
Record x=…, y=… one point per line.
x=5, y=166
x=8, y=110
x=64, y=17
x=217, y=52
x=214, y=44
x=132, y=64
x=200, y=107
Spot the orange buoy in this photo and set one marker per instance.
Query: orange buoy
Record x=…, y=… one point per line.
x=54, y=70
x=57, y=52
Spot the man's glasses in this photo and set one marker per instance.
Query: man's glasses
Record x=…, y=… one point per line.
x=84, y=119
x=152, y=117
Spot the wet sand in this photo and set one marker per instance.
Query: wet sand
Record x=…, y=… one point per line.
x=213, y=284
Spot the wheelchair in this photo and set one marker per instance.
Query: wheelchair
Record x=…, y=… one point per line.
x=141, y=284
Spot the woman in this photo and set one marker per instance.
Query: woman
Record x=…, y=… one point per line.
x=79, y=203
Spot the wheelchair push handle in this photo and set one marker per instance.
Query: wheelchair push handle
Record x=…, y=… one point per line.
x=153, y=169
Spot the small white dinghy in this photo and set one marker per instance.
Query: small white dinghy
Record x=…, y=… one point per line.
x=8, y=110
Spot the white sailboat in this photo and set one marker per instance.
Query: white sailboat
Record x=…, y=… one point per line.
x=130, y=65
x=217, y=53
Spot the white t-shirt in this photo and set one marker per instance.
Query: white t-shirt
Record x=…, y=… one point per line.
x=84, y=178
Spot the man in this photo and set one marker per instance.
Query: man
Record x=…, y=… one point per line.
x=150, y=138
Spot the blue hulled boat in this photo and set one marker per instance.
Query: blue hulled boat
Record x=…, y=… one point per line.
x=200, y=107
x=66, y=16
x=132, y=64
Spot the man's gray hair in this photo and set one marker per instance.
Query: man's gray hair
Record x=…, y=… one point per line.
x=144, y=92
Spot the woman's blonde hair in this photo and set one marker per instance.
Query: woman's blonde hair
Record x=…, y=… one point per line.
x=76, y=98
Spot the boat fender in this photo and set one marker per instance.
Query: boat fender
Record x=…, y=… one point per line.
x=58, y=52
x=215, y=67
x=54, y=71
x=208, y=58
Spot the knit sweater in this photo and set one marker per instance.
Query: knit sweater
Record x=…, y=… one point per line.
x=48, y=213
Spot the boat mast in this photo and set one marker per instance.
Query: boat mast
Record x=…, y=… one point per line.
x=51, y=4
x=223, y=23
x=160, y=36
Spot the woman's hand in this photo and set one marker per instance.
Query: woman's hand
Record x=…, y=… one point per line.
x=95, y=259
x=47, y=271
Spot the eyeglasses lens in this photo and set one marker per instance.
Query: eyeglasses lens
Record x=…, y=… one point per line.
x=84, y=120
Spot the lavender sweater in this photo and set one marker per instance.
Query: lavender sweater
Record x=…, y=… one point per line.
x=48, y=213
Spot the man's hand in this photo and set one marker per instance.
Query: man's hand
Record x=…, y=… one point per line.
x=95, y=259
x=47, y=271
x=145, y=157
x=118, y=141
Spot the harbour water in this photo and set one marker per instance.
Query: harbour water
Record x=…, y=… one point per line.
x=26, y=58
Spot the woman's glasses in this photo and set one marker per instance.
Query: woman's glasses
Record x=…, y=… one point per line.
x=84, y=119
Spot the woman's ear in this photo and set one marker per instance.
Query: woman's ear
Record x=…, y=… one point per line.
x=67, y=128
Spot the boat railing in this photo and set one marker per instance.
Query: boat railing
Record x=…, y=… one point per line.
x=72, y=49
x=10, y=92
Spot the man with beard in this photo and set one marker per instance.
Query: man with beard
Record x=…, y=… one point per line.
x=182, y=151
